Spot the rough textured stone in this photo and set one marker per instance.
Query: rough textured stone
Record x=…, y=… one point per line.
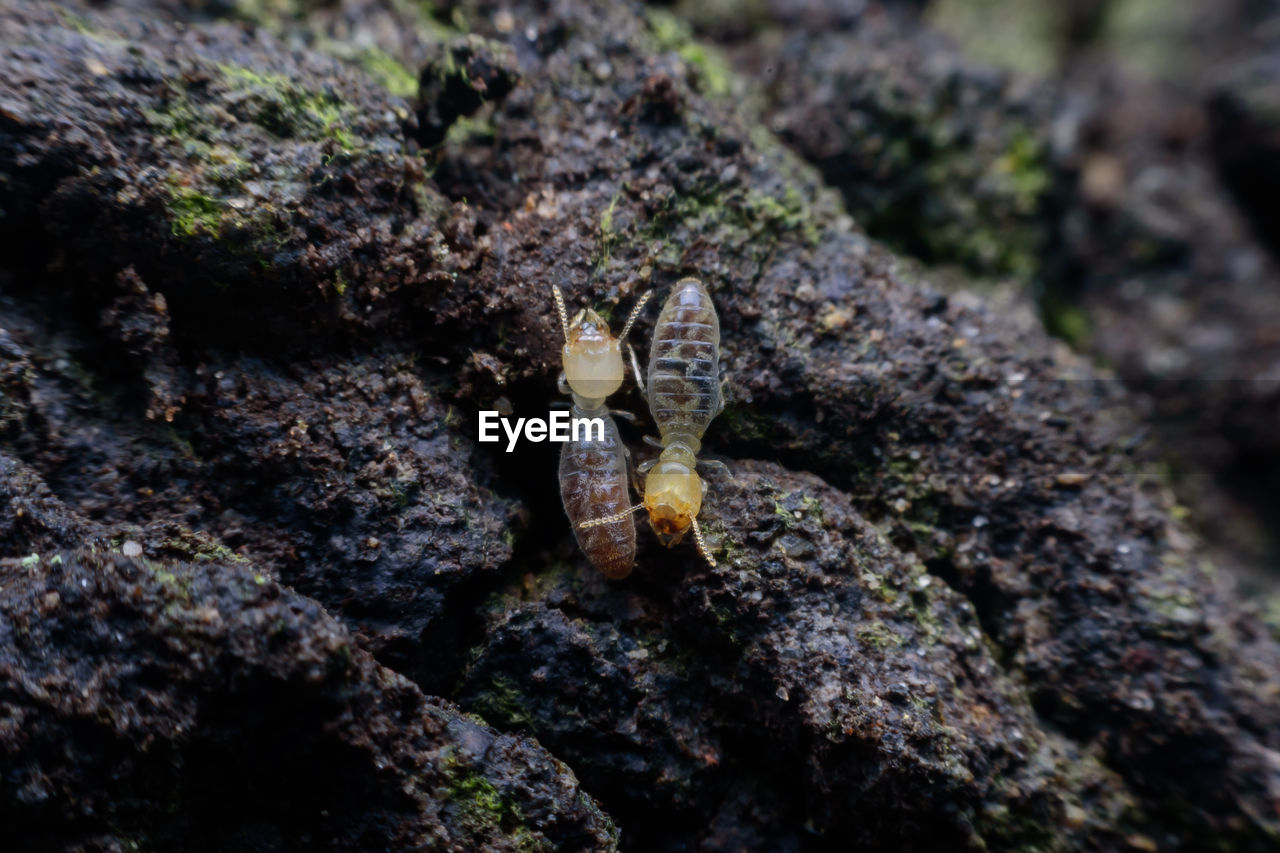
x=1096, y=190
x=152, y=705
x=816, y=659
x=952, y=607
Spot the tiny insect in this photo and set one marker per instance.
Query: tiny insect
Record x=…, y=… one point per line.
x=594, y=470
x=684, y=395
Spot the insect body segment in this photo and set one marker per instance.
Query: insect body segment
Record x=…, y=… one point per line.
x=684, y=395
x=593, y=470
x=593, y=485
x=684, y=365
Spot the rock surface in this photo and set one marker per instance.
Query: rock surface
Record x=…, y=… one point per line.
x=154, y=705
x=257, y=309
x=1098, y=193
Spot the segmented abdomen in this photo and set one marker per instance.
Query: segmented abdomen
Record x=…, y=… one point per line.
x=593, y=484
x=684, y=362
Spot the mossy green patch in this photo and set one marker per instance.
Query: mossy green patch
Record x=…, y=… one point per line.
x=669, y=31
x=711, y=68
x=997, y=230
x=731, y=217
x=466, y=130
x=604, y=246
x=878, y=636
x=1012, y=33
x=79, y=23
x=388, y=71
x=288, y=110
x=198, y=546
x=881, y=586
x=268, y=13
x=1026, y=162
x=1064, y=319
x=176, y=585
x=786, y=214
x=420, y=17
x=193, y=212
x=793, y=508
x=209, y=194
x=484, y=811
x=252, y=233
x=504, y=703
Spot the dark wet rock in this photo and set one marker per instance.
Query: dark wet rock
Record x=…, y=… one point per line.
x=164, y=705
x=1175, y=291
x=32, y=518
x=975, y=521
x=347, y=479
x=249, y=181
x=943, y=160
x=138, y=320
x=471, y=72
x=1099, y=195
x=1244, y=112
x=828, y=664
x=354, y=456
x=967, y=437
x=732, y=20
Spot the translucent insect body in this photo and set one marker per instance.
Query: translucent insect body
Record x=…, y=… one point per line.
x=684, y=395
x=594, y=470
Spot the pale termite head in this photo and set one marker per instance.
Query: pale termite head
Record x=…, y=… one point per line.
x=592, y=357
x=673, y=495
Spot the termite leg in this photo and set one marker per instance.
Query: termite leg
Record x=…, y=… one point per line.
x=652, y=442
x=720, y=469
x=631, y=469
x=646, y=465
x=635, y=369
x=629, y=417
x=562, y=384
x=609, y=519
x=702, y=545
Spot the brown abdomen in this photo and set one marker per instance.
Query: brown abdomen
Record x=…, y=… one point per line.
x=593, y=484
x=684, y=362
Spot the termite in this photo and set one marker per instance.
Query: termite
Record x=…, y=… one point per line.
x=684, y=395
x=594, y=469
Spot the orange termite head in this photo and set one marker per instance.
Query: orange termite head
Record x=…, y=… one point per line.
x=592, y=357
x=673, y=497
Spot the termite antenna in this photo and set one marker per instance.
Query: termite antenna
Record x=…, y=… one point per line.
x=635, y=312
x=560, y=309
x=702, y=545
x=609, y=519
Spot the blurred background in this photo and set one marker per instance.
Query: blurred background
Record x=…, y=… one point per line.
x=1113, y=162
